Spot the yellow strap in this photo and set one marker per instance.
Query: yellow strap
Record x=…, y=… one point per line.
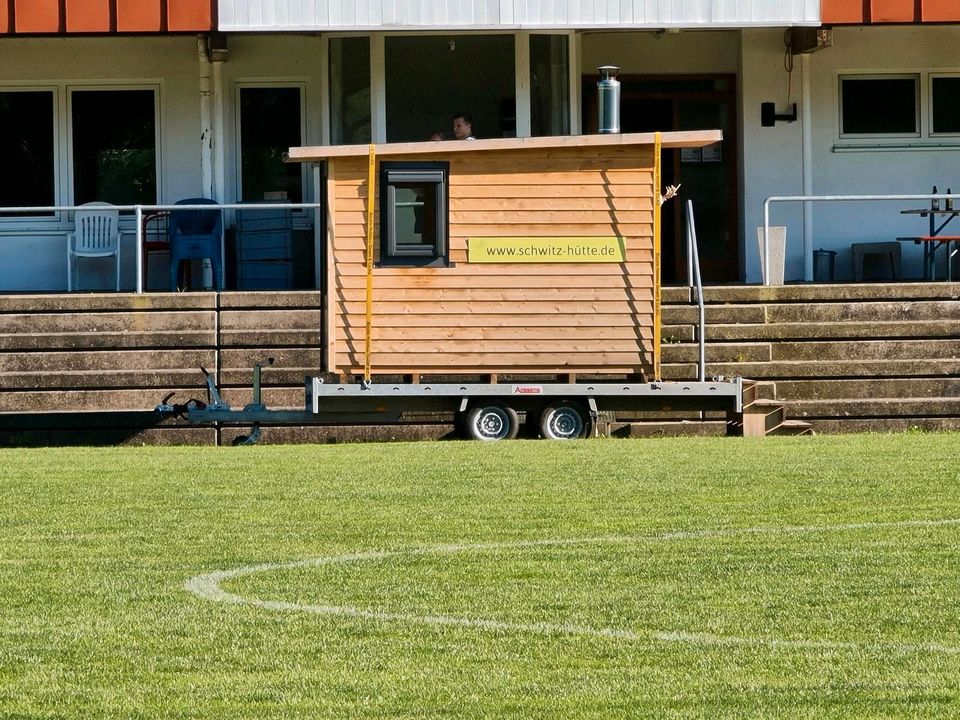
x=656, y=254
x=371, y=199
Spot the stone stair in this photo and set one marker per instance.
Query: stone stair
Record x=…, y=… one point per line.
x=842, y=358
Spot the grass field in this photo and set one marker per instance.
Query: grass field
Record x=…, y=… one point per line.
x=695, y=578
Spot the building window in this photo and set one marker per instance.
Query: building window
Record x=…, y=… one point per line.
x=886, y=105
x=430, y=78
x=350, y=120
x=26, y=149
x=270, y=124
x=945, y=105
x=413, y=213
x=114, y=146
x=549, y=85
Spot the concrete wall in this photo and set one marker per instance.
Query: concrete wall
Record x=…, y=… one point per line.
x=266, y=60
x=650, y=53
x=772, y=156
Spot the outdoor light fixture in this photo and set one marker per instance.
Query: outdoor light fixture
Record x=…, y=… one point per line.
x=769, y=116
x=217, y=47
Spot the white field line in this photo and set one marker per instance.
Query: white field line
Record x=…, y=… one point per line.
x=208, y=587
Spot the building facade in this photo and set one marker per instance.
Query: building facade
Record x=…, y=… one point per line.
x=151, y=101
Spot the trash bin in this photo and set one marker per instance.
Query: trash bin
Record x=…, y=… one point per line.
x=823, y=262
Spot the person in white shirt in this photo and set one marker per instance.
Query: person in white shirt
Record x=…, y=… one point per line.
x=463, y=127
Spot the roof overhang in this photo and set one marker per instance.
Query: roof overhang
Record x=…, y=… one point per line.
x=690, y=138
x=485, y=15
x=106, y=17
x=879, y=12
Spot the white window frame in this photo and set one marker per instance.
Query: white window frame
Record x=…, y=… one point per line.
x=378, y=99
x=55, y=218
x=269, y=83
x=933, y=76
x=573, y=79
x=917, y=77
x=156, y=86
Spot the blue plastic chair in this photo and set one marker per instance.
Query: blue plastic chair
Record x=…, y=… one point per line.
x=195, y=234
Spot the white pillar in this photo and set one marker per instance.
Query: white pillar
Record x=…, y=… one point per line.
x=806, y=103
x=521, y=59
x=378, y=88
x=575, y=52
x=206, y=131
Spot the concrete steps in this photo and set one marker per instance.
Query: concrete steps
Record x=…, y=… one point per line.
x=841, y=358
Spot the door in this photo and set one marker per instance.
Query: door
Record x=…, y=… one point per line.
x=709, y=176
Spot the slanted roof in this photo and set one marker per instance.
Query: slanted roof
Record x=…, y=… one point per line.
x=105, y=17
x=877, y=12
x=690, y=138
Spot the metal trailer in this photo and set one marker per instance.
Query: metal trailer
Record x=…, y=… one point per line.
x=482, y=411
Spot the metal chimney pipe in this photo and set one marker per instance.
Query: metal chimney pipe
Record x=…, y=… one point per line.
x=608, y=99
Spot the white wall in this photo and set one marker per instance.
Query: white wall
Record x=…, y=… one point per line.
x=772, y=156
x=38, y=261
x=771, y=162
x=649, y=53
x=290, y=59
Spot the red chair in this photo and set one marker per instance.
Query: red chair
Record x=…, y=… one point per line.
x=154, y=239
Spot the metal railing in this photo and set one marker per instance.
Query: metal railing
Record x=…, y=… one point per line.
x=695, y=284
x=807, y=240
x=139, y=210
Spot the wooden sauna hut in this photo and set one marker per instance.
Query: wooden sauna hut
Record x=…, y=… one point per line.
x=530, y=258
x=520, y=257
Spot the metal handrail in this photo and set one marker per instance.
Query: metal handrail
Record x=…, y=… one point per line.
x=139, y=210
x=808, y=251
x=696, y=285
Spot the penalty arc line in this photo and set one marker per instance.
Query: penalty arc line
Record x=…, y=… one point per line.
x=208, y=587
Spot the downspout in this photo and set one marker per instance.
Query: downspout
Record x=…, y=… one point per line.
x=206, y=131
x=206, y=142
x=219, y=151
x=219, y=135
x=806, y=103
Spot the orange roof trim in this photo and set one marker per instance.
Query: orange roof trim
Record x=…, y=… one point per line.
x=104, y=17
x=875, y=12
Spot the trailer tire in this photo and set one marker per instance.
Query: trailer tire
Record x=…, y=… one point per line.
x=491, y=421
x=564, y=421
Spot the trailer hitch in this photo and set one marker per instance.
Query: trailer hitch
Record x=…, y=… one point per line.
x=215, y=403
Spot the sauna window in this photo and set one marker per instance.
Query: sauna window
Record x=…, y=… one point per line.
x=885, y=106
x=413, y=212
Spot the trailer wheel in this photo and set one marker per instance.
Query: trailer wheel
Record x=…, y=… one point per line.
x=492, y=421
x=564, y=421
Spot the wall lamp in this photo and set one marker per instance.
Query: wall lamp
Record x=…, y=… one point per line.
x=769, y=115
x=217, y=47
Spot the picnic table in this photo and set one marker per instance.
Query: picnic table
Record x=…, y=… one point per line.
x=935, y=238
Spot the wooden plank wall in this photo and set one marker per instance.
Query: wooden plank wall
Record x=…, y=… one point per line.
x=507, y=318
x=91, y=368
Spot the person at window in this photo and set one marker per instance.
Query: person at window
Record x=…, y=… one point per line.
x=436, y=135
x=463, y=127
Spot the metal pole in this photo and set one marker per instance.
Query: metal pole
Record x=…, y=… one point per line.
x=371, y=197
x=657, y=142
x=138, y=213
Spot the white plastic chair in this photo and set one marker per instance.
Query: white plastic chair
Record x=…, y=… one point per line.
x=96, y=234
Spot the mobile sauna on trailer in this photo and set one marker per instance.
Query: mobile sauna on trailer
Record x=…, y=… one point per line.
x=524, y=260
